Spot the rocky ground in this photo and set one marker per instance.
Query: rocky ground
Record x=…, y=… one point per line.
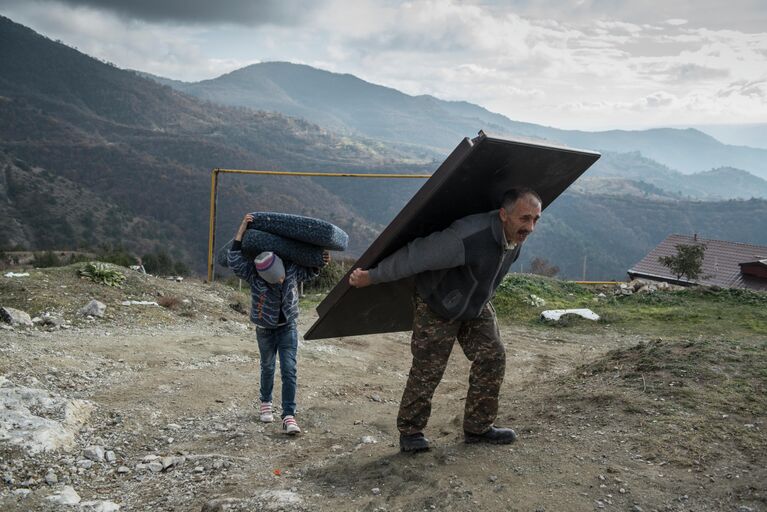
x=150, y=407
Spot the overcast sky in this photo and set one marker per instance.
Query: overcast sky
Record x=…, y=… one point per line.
x=588, y=64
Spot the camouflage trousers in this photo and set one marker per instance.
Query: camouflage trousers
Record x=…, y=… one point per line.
x=432, y=342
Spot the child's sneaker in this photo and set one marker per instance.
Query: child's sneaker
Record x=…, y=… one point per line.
x=289, y=426
x=265, y=412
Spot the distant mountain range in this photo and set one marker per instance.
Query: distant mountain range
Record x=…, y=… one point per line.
x=91, y=154
x=637, y=171
x=347, y=104
x=751, y=134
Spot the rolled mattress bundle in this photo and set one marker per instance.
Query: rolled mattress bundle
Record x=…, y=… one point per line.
x=292, y=237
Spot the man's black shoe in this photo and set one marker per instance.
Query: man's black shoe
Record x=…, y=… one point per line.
x=495, y=435
x=413, y=443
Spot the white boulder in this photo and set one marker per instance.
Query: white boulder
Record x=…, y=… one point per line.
x=554, y=315
x=15, y=317
x=53, y=424
x=93, y=308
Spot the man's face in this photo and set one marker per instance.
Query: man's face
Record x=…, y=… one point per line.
x=520, y=221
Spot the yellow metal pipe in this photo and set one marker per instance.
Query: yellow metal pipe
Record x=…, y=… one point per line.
x=214, y=186
x=327, y=174
x=597, y=282
x=212, y=228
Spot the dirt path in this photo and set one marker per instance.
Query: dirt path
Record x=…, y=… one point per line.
x=186, y=391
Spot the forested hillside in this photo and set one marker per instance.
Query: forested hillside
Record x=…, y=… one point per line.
x=613, y=233
x=98, y=135
x=93, y=155
x=644, y=176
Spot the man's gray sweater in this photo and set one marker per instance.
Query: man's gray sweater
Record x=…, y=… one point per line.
x=458, y=269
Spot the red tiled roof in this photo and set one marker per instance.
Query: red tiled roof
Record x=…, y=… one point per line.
x=754, y=268
x=721, y=262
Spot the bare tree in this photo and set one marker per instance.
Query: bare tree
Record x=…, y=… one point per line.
x=542, y=267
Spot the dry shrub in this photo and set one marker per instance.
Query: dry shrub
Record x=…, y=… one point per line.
x=169, y=301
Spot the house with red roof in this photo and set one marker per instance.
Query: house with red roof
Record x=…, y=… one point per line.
x=725, y=264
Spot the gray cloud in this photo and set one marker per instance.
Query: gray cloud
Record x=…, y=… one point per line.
x=695, y=73
x=745, y=15
x=241, y=12
x=754, y=89
x=681, y=73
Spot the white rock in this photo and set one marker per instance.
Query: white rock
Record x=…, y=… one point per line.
x=139, y=303
x=15, y=317
x=93, y=308
x=16, y=274
x=85, y=463
x=52, y=321
x=94, y=453
x=171, y=461
x=155, y=467
x=277, y=500
x=368, y=440
x=65, y=496
x=123, y=470
x=555, y=314
x=110, y=456
x=99, y=506
x=52, y=426
x=51, y=478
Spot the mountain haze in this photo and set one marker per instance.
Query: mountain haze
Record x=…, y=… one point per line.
x=716, y=184
x=347, y=104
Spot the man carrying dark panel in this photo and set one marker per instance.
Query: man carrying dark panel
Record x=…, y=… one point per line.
x=457, y=272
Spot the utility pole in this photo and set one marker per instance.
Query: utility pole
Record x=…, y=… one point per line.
x=584, y=268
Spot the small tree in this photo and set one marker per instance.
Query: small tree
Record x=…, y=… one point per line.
x=45, y=259
x=542, y=267
x=687, y=262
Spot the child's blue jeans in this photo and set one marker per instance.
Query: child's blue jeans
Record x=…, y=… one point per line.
x=281, y=340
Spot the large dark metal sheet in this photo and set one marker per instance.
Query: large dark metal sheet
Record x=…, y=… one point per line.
x=471, y=180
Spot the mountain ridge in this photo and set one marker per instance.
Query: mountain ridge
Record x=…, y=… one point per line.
x=346, y=103
x=148, y=149
x=136, y=157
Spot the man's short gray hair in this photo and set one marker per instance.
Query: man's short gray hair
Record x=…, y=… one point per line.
x=513, y=194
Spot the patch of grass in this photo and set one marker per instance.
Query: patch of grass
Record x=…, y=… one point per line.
x=514, y=297
x=310, y=301
x=61, y=290
x=687, y=312
x=103, y=273
x=329, y=276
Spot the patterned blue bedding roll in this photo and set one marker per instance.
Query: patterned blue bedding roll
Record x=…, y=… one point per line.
x=255, y=242
x=304, y=229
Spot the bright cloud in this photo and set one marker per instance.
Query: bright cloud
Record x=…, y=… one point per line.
x=573, y=66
